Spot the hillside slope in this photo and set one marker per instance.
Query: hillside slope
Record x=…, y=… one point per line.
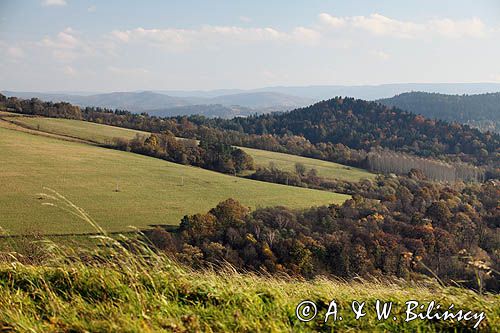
x=117, y=188
x=104, y=134
x=481, y=111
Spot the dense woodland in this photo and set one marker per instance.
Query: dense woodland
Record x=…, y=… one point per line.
x=364, y=125
x=481, y=111
x=416, y=228
x=339, y=130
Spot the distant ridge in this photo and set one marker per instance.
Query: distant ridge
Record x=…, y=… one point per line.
x=148, y=100
x=481, y=110
x=367, y=92
x=228, y=103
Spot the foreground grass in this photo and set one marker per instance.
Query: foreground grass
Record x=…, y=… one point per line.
x=154, y=294
x=119, y=189
x=104, y=134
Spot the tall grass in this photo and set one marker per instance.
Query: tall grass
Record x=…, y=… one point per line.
x=124, y=284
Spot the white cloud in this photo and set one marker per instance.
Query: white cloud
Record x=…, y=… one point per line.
x=208, y=35
x=91, y=9
x=180, y=39
x=381, y=25
x=384, y=26
x=64, y=40
x=238, y=33
x=174, y=39
x=381, y=54
x=332, y=21
x=473, y=27
x=122, y=36
x=306, y=35
x=54, y=3
x=68, y=45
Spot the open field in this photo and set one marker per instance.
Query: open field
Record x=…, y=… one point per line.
x=325, y=169
x=104, y=134
x=150, y=191
x=84, y=130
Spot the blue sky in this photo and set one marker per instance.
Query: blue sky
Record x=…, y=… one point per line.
x=53, y=45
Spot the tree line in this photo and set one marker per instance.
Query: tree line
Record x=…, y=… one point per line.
x=388, y=161
x=208, y=154
x=416, y=228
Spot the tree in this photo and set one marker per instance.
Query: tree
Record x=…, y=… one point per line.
x=300, y=168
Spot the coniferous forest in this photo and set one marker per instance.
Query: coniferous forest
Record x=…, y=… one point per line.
x=481, y=111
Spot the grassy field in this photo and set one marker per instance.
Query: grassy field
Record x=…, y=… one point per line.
x=77, y=129
x=150, y=191
x=121, y=292
x=104, y=134
x=325, y=169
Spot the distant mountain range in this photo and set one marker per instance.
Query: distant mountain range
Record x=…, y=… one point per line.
x=226, y=106
x=228, y=103
x=367, y=92
x=481, y=111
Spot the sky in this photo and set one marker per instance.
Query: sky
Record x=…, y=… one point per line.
x=102, y=46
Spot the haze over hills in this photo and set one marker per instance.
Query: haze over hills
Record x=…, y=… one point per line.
x=225, y=106
x=228, y=103
x=368, y=92
x=373, y=92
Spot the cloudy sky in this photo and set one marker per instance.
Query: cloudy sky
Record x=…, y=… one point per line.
x=71, y=45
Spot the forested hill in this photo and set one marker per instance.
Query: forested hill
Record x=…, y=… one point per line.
x=341, y=130
x=481, y=111
x=363, y=125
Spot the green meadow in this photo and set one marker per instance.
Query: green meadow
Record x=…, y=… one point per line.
x=118, y=189
x=325, y=169
x=84, y=130
x=104, y=134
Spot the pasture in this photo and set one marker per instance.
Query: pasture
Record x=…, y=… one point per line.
x=118, y=189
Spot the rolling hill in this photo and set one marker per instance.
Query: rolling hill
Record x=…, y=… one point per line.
x=365, y=125
x=481, y=111
x=117, y=188
x=103, y=134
